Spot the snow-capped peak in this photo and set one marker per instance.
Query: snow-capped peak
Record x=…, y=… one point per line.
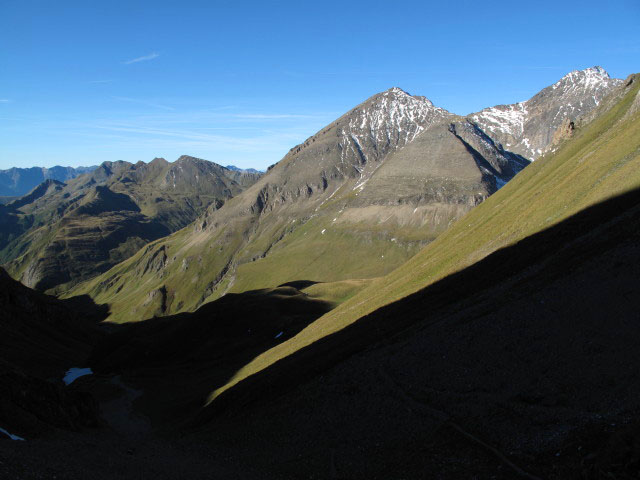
x=589, y=77
x=396, y=91
x=528, y=128
x=393, y=113
x=387, y=121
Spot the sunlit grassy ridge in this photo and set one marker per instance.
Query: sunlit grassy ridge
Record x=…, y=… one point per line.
x=600, y=161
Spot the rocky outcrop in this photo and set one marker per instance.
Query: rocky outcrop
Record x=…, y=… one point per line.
x=564, y=132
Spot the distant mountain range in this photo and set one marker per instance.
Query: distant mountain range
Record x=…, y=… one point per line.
x=16, y=182
x=61, y=233
x=355, y=200
x=248, y=170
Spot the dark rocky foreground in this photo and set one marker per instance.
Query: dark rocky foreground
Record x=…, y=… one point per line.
x=522, y=366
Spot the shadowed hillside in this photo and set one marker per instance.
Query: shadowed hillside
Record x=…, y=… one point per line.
x=530, y=351
x=177, y=358
x=41, y=337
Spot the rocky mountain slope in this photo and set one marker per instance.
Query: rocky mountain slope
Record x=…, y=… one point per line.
x=61, y=233
x=354, y=201
x=534, y=127
x=16, y=182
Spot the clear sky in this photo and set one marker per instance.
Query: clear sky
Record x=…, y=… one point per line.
x=242, y=82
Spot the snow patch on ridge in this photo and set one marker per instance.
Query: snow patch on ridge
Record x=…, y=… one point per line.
x=507, y=118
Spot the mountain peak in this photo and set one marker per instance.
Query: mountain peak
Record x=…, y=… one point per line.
x=397, y=91
x=589, y=77
x=189, y=158
x=599, y=70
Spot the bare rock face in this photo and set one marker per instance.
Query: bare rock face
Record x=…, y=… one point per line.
x=564, y=132
x=528, y=128
x=156, y=302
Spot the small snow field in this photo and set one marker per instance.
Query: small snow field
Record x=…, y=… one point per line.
x=74, y=373
x=12, y=437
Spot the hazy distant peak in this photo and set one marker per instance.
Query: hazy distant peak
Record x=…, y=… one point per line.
x=238, y=169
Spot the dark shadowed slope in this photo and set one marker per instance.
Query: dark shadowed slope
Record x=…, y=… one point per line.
x=176, y=358
x=531, y=351
x=42, y=337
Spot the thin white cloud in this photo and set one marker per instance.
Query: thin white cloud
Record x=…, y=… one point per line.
x=5, y=100
x=253, y=144
x=541, y=67
x=144, y=58
x=142, y=102
x=260, y=116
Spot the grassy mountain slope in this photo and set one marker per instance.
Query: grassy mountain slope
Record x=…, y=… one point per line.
x=600, y=161
x=60, y=234
x=354, y=201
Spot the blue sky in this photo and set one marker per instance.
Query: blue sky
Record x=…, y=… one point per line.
x=242, y=82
